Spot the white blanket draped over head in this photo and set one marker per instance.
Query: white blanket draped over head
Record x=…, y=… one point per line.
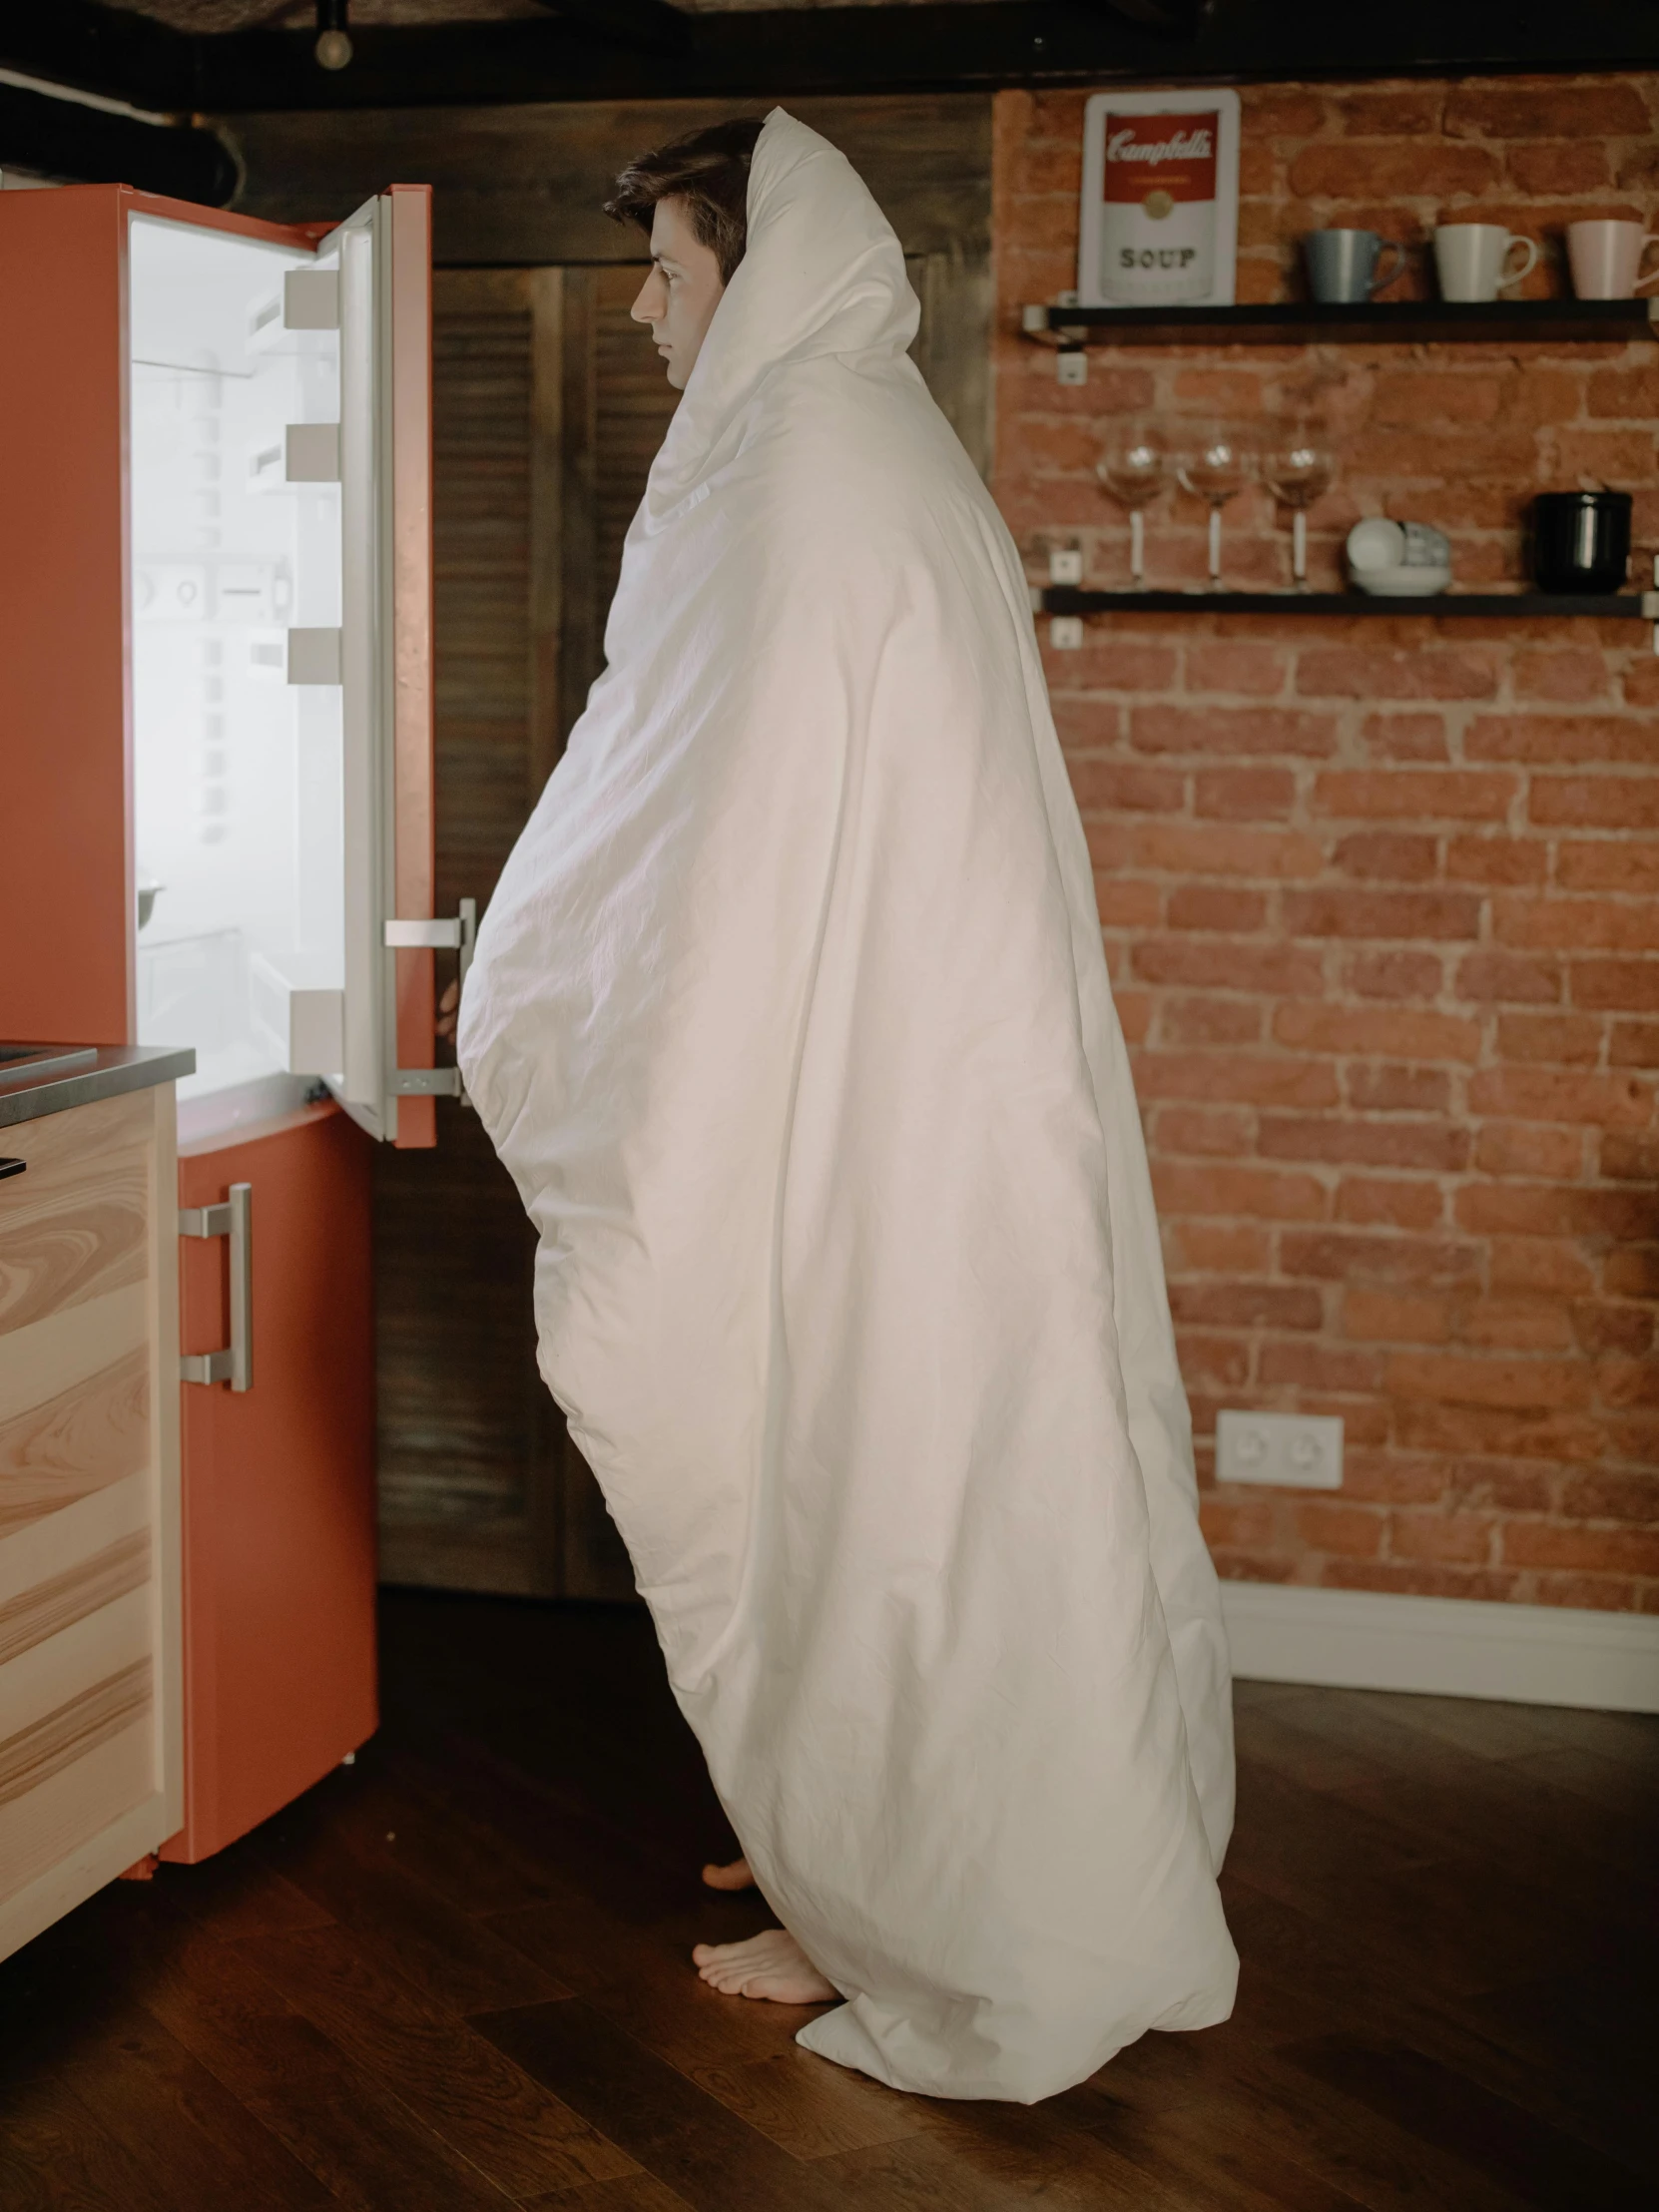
x=790, y=1019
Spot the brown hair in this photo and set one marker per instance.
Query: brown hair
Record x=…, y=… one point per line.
x=709, y=171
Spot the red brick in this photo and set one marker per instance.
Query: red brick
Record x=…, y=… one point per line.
x=1344, y=914
x=1501, y=1485
x=1622, y=1380
x=1396, y=1201
x=1390, y=114
x=1219, y=1363
x=1515, y=1147
x=1518, y=1325
x=1414, y=795
x=1389, y=856
x=1270, y=969
x=1127, y=904
x=1388, y=1317
x=1600, y=1325
x=1573, y=924
x=1244, y=793
x=1518, y=1263
x=1515, y=1210
x=1625, y=986
x=1188, y=848
x=1210, y=1021
x=1546, y=110
x=1336, y=1256
x=1486, y=976
x=1558, y=168
x=1110, y=663
x=1549, y=1095
x=1207, y=906
x=1225, y=730
x=1553, y=1384
x=1334, y=1369
x=1466, y=1538
x=1576, y=674
x=1610, y=1592
x=1260, y=1079
x=1233, y=1520
x=1611, y=864
x=1233, y=1248
x=1633, y=1044
x=1354, y=1531
x=1134, y=1015
x=1404, y=1035
x=1476, y=860
x=1630, y=1159
x=1627, y=392
x=1405, y=737
x=1225, y=1131
x=1126, y=786
x=1392, y=975
x=1418, y=1579
x=1633, y=1498
x=1564, y=1040
x=1282, y=111
x=1407, y=171
x=1233, y=665
x=1386, y=1088
x=1439, y=1147
x=1259, y=1192
x=1246, y=1305
x=1468, y=393
x=1384, y=1479
x=1428, y=1424
x=1529, y=1543
x=1595, y=802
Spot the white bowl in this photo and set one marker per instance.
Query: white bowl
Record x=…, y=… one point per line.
x=1402, y=583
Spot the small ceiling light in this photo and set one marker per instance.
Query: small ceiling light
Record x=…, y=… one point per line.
x=333, y=39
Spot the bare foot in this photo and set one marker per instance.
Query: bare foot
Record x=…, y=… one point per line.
x=734, y=1877
x=771, y=1965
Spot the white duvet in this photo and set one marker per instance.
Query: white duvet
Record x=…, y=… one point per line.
x=790, y=1018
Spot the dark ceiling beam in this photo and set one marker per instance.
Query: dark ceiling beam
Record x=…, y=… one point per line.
x=929, y=48
x=104, y=50
x=89, y=145
x=651, y=24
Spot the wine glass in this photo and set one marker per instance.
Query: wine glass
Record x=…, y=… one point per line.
x=1215, y=470
x=1297, y=469
x=1132, y=469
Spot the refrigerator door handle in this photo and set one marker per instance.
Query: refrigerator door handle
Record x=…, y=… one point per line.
x=234, y=1218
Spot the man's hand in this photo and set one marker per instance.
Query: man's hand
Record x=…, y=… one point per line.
x=449, y=1007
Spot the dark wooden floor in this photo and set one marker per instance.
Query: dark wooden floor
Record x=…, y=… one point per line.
x=454, y=1977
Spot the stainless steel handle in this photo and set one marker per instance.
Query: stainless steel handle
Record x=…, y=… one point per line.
x=233, y=1363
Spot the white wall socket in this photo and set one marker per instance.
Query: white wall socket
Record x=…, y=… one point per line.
x=1301, y=1451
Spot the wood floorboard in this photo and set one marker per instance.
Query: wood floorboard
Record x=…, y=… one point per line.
x=456, y=1976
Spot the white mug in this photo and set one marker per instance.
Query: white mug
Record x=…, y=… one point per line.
x=1472, y=259
x=1605, y=258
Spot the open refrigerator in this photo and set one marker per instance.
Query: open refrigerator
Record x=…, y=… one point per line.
x=216, y=703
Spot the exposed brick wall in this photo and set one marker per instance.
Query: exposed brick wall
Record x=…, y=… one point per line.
x=1381, y=897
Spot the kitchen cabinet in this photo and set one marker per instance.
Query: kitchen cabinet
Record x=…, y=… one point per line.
x=90, y=1668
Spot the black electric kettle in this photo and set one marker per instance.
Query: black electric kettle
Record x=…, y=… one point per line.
x=1580, y=540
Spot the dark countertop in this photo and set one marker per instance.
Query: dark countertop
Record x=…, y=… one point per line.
x=103, y=1073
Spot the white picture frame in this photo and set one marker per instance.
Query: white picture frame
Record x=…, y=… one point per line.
x=1184, y=251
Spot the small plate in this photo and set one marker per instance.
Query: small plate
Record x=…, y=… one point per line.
x=1402, y=583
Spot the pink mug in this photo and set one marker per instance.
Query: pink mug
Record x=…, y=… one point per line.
x=1605, y=259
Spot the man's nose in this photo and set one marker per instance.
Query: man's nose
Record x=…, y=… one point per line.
x=643, y=309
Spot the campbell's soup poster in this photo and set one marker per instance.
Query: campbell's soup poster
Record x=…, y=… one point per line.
x=1160, y=199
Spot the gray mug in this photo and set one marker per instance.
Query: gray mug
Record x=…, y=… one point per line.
x=1341, y=265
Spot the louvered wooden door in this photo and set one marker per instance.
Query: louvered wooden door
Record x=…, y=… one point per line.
x=549, y=404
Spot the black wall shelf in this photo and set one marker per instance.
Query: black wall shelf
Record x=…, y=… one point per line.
x=1071, y=599
x=1432, y=321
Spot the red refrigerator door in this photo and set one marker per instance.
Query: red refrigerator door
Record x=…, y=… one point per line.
x=279, y=1480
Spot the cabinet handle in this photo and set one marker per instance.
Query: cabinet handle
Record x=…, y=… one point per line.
x=11, y=1167
x=234, y=1362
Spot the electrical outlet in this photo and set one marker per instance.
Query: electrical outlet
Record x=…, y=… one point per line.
x=1065, y=564
x=1071, y=365
x=1301, y=1451
x=1065, y=633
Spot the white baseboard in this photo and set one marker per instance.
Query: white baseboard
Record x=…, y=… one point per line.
x=1452, y=1647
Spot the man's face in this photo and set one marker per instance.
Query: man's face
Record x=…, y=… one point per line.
x=680, y=296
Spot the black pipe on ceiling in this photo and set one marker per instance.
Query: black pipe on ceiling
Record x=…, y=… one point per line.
x=62, y=138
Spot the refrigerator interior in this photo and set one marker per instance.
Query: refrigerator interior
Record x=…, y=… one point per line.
x=238, y=800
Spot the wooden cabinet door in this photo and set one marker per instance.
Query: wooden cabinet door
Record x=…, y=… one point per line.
x=90, y=1773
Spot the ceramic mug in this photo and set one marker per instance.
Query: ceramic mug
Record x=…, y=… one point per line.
x=1606, y=258
x=1341, y=265
x=1472, y=260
